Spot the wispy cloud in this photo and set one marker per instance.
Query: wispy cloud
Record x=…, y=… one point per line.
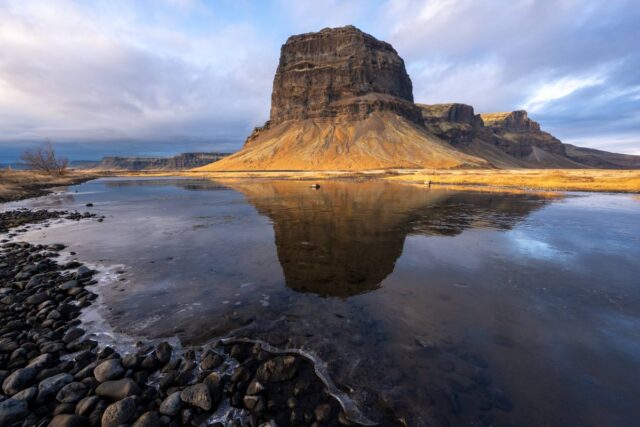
x=552, y=91
x=569, y=61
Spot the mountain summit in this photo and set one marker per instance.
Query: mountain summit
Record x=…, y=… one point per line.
x=342, y=100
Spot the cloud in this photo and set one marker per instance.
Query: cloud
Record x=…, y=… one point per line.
x=190, y=70
x=570, y=62
x=312, y=16
x=68, y=72
x=558, y=89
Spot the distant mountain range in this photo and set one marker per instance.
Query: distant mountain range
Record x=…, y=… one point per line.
x=122, y=163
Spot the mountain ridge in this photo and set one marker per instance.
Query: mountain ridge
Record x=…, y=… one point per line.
x=181, y=161
x=513, y=140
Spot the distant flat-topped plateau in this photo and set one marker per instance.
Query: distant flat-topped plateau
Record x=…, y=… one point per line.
x=178, y=162
x=342, y=100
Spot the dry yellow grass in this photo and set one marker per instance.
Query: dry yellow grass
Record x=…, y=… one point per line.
x=627, y=181
x=19, y=184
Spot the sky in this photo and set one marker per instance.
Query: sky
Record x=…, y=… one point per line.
x=160, y=77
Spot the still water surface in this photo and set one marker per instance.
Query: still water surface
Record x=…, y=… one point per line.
x=445, y=307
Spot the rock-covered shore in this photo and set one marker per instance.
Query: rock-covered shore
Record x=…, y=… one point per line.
x=52, y=373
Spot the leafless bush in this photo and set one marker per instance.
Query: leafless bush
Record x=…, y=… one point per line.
x=43, y=159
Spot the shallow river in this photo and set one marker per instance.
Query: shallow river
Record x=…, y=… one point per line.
x=438, y=306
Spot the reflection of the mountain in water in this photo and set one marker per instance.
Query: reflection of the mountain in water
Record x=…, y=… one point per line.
x=344, y=239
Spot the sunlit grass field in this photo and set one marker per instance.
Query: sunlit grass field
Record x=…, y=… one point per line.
x=606, y=180
x=627, y=181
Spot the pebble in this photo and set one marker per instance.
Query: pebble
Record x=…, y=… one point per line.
x=18, y=380
x=280, y=368
x=42, y=361
x=72, y=392
x=28, y=394
x=171, y=405
x=197, y=395
x=11, y=411
x=50, y=386
x=164, y=352
x=109, y=370
x=211, y=361
x=119, y=413
x=72, y=334
x=118, y=389
x=148, y=419
x=68, y=420
x=86, y=405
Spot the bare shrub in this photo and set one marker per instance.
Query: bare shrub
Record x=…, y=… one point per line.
x=43, y=159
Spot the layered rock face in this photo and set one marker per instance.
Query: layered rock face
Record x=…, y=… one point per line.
x=456, y=113
x=515, y=121
x=340, y=73
x=455, y=123
x=503, y=139
x=518, y=134
x=342, y=100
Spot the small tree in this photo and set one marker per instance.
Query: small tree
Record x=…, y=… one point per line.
x=43, y=159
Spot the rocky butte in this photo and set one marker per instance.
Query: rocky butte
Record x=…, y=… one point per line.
x=342, y=100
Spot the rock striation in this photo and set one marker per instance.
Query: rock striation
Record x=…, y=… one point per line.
x=342, y=100
x=340, y=73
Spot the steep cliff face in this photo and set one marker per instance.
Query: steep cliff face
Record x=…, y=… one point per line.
x=454, y=123
x=178, y=162
x=340, y=73
x=454, y=113
x=516, y=128
x=515, y=121
x=342, y=100
x=503, y=139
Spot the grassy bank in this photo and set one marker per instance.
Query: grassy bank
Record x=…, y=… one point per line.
x=605, y=180
x=625, y=181
x=21, y=184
